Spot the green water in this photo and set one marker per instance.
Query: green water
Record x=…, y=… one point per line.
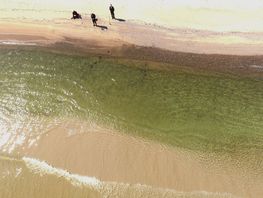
x=191, y=110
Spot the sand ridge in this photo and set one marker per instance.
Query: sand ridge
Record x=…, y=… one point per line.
x=130, y=40
x=132, y=32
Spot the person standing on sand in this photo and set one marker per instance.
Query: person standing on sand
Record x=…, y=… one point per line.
x=94, y=20
x=112, y=11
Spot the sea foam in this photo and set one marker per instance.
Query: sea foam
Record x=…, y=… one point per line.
x=115, y=189
x=17, y=43
x=43, y=168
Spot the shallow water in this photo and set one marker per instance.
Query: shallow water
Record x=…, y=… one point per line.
x=28, y=178
x=195, y=111
x=215, y=114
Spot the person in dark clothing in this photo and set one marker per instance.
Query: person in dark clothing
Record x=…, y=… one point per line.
x=94, y=19
x=76, y=15
x=112, y=11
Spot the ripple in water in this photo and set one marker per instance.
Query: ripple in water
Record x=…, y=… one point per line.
x=210, y=113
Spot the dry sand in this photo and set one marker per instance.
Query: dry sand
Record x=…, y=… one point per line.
x=141, y=34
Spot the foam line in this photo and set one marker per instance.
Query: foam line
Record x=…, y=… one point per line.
x=43, y=168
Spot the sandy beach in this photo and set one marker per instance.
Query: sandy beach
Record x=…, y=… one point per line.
x=227, y=52
x=113, y=156
x=130, y=32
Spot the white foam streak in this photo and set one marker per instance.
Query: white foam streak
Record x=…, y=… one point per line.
x=17, y=43
x=257, y=66
x=43, y=168
x=4, y=138
x=113, y=189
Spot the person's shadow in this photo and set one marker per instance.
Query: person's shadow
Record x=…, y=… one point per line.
x=102, y=27
x=121, y=20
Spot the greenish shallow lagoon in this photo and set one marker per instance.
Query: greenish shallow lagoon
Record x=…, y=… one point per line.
x=215, y=113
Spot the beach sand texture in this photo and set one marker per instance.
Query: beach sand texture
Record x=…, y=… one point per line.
x=131, y=32
x=135, y=110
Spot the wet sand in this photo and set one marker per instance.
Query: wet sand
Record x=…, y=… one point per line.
x=113, y=156
x=128, y=40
